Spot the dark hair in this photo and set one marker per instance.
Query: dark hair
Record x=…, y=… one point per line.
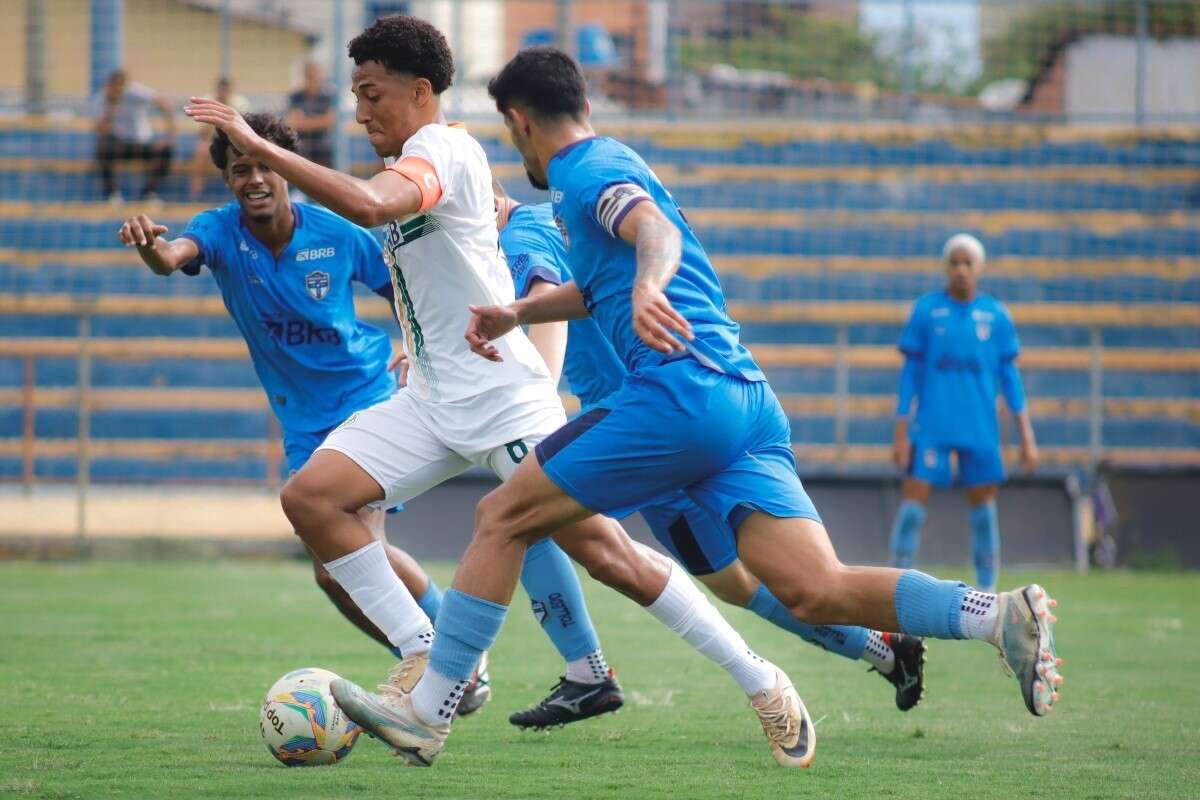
x=406, y=44
x=542, y=80
x=268, y=126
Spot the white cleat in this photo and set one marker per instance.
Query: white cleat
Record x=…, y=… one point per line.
x=786, y=723
x=1025, y=637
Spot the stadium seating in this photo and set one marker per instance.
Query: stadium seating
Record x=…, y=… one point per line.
x=823, y=238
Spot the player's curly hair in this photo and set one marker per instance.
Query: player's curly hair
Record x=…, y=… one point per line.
x=544, y=81
x=268, y=126
x=406, y=44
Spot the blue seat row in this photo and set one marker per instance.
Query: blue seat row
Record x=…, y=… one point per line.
x=133, y=470
x=1151, y=150
x=842, y=240
x=924, y=275
x=752, y=332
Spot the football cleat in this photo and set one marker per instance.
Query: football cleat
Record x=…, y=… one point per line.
x=1024, y=634
x=569, y=702
x=390, y=718
x=477, y=692
x=908, y=675
x=786, y=723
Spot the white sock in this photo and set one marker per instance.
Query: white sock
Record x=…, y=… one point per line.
x=368, y=578
x=978, y=615
x=878, y=654
x=687, y=612
x=436, y=697
x=592, y=668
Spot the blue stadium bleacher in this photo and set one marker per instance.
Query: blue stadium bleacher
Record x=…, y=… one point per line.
x=837, y=220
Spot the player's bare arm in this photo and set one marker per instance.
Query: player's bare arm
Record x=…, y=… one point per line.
x=370, y=203
x=548, y=338
x=162, y=256
x=659, y=248
x=488, y=323
x=1029, y=450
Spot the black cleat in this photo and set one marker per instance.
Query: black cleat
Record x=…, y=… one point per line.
x=908, y=676
x=571, y=702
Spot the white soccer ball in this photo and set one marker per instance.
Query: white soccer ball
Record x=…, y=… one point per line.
x=301, y=724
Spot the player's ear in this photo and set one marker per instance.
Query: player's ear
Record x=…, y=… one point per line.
x=422, y=91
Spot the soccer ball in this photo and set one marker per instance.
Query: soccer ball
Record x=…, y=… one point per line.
x=301, y=724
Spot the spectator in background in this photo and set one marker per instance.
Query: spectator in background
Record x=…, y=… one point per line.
x=124, y=133
x=311, y=113
x=201, y=163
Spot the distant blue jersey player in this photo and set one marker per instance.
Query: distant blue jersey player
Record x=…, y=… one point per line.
x=960, y=352
x=696, y=539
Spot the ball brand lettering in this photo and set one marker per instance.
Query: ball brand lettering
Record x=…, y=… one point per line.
x=274, y=719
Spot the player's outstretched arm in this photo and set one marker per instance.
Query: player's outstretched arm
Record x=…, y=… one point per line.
x=659, y=248
x=369, y=203
x=489, y=323
x=161, y=256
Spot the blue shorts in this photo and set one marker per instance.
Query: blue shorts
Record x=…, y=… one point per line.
x=678, y=426
x=702, y=543
x=931, y=463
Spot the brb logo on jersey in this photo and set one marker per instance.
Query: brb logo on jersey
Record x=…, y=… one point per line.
x=315, y=253
x=317, y=283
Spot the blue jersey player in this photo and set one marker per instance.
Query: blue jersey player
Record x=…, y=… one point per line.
x=285, y=272
x=960, y=350
x=695, y=413
x=705, y=547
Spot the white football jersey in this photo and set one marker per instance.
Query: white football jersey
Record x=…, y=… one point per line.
x=445, y=258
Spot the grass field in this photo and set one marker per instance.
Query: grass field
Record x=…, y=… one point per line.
x=144, y=681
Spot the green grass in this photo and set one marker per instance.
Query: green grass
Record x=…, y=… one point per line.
x=144, y=681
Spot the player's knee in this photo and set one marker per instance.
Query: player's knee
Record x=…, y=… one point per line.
x=815, y=600
x=496, y=517
x=306, y=501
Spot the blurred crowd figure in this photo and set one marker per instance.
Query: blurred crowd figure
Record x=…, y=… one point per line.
x=311, y=114
x=202, y=167
x=124, y=132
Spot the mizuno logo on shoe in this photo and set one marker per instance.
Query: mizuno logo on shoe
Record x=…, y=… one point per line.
x=574, y=705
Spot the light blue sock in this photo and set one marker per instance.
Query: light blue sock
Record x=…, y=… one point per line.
x=844, y=640
x=985, y=545
x=926, y=606
x=553, y=587
x=467, y=625
x=431, y=601
x=906, y=534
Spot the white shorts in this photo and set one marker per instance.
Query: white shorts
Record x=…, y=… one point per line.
x=408, y=445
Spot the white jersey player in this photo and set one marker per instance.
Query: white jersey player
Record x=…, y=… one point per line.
x=459, y=410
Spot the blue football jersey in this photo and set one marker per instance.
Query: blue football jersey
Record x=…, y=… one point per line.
x=316, y=361
x=534, y=250
x=961, y=347
x=594, y=184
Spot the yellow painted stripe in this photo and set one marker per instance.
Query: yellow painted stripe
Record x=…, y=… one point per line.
x=1173, y=268
x=875, y=455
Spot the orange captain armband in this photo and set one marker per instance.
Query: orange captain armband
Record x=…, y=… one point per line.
x=421, y=172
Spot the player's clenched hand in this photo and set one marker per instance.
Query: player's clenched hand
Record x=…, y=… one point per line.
x=901, y=452
x=140, y=231
x=654, y=320
x=219, y=115
x=1029, y=457
x=487, y=324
